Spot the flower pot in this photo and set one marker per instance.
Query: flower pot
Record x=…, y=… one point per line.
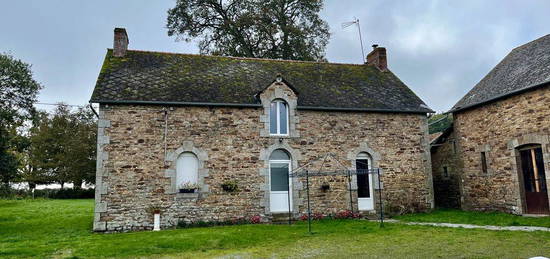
x=187, y=190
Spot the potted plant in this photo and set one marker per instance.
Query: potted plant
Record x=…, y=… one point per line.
x=230, y=186
x=188, y=187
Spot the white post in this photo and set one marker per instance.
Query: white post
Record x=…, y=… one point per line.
x=156, y=224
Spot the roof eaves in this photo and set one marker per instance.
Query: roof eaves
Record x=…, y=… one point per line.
x=364, y=109
x=501, y=96
x=253, y=105
x=175, y=103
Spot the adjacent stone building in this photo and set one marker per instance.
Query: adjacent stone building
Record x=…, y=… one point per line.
x=502, y=133
x=445, y=159
x=214, y=138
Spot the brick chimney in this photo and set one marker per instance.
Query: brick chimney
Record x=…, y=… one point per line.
x=377, y=57
x=120, y=44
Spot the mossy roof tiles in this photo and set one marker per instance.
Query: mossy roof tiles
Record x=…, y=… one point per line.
x=144, y=77
x=524, y=68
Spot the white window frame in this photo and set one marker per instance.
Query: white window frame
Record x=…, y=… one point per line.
x=289, y=192
x=277, y=114
x=183, y=175
x=364, y=203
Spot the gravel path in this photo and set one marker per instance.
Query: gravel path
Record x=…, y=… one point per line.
x=452, y=225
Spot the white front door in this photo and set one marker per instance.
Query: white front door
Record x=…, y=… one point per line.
x=280, y=186
x=365, y=199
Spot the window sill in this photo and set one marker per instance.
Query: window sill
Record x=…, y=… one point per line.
x=279, y=136
x=194, y=195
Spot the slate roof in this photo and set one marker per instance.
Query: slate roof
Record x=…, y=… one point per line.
x=168, y=78
x=524, y=68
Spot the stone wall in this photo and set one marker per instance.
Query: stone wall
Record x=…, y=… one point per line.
x=136, y=169
x=446, y=184
x=497, y=129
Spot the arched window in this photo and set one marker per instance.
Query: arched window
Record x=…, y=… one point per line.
x=278, y=118
x=187, y=167
x=279, y=169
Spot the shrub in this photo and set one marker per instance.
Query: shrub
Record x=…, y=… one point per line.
x=65, y=193
x=404, y=203
x=314, y=216
x=347, y=214
x=256, y=219
x=236, y=221
x=230, y=186
x=318, y=216
x=7, y=192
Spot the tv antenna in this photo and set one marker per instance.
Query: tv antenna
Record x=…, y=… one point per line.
x=348, y=24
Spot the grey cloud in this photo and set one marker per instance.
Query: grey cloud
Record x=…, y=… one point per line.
x=440, y=49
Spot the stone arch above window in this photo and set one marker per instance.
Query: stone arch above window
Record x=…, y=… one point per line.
x=280, y=92
x=279, y=154
x=363, y=151
x=181, y=168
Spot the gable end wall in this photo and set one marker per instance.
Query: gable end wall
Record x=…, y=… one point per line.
x=497, y=129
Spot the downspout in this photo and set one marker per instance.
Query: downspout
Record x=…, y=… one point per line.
x=165, y=131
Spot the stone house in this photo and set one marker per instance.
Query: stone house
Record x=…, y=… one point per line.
x=444, y=157
x=214, y=138
x=501, y=133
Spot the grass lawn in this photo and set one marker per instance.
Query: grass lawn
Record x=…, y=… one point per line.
x=476, y=218
x=62, y=228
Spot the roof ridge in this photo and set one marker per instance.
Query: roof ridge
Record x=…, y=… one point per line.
x=529, y=42
x=243, y=58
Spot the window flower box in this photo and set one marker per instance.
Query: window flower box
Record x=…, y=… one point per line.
x=188, y=187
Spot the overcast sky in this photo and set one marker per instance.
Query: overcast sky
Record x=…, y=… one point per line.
x=440, y=49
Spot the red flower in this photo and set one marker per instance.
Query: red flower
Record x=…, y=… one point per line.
x=256, y=219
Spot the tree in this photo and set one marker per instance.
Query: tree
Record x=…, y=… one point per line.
x=440, y=122
x=18, y=92
x=63, y=148
x=80, y=157
x=278, y=29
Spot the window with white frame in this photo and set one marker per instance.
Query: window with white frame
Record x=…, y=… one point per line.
x=187, y=170
x=278, y=118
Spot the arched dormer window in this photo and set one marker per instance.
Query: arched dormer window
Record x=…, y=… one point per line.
x=187, y=171
x=278, y=118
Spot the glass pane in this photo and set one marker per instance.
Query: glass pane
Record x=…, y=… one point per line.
x=363, y=155
x=279, y=176
x=541, y=177
x=187, y=167
x=363, y=188
x=283, y=121
x=279, y=154
x=273, y=118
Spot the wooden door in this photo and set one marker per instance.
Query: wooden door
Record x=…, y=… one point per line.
x=534, y=180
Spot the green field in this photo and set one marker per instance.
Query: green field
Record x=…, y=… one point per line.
x=62, y=229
